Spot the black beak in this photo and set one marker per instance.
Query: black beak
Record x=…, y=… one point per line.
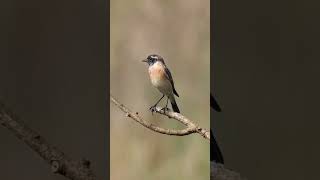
x=145, y=60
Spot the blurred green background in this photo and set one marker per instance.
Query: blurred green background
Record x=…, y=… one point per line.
x=179, y=31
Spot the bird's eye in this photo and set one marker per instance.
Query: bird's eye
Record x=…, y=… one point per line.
x=152, y=58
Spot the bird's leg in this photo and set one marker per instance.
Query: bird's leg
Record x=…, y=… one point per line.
x=152, y=107
x=167, y=103
x=166, y=107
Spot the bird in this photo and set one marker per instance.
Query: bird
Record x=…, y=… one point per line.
x=214, y=104
x=215, y=152
x=161, y=78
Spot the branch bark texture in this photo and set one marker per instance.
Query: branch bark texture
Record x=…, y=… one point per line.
x=217, y=171
x=59, y=162
x=191, y=127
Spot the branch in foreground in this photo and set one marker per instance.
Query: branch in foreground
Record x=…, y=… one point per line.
x=218, y=172
x=191, y=127
x=60, y=163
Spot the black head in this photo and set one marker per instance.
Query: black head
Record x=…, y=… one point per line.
x=153, y=58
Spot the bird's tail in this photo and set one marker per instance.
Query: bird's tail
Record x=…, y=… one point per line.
x=214, y=104
x=174, y=105
x=215, y=152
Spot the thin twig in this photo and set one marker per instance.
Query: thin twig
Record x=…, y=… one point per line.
x=191, y=127
x=60, y=163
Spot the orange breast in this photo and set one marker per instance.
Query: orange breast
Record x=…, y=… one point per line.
x=157, y=72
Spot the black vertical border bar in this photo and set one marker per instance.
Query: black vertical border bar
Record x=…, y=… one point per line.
x=107, y=141
x=212, y=15
x=215, y=151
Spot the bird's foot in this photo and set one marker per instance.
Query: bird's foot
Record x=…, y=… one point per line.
x=152, y=109
x=165, y=109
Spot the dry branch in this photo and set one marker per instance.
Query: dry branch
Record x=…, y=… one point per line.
x=191, y=127
x=217, y=171
x=60, y=163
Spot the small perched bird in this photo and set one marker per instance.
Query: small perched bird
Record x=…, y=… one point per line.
x=215, y=152
x=161, y=78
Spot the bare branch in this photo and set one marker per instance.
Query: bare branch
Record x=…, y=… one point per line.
x=217, y=171
x=60, y=163
x=191, y=127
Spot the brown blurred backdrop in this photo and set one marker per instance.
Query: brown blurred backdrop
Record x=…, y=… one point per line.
x=180, y=32
x=266, y=78
x=53, y=76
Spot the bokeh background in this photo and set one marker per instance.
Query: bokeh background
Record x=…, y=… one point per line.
x=179, y=31
x=266, y=78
